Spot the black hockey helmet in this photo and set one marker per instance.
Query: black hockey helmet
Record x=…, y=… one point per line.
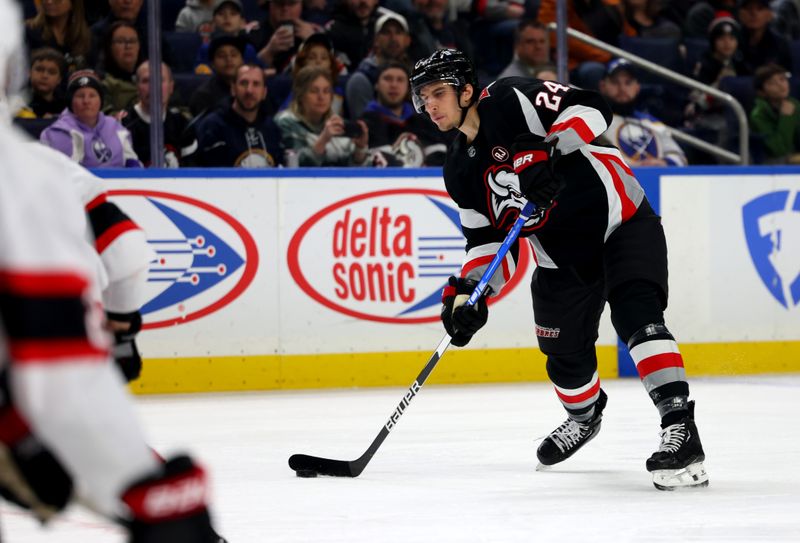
x=448, y=65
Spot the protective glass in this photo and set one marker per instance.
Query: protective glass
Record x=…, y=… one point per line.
x=434, y=91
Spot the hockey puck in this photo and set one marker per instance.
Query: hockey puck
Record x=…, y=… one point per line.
x=306, y=473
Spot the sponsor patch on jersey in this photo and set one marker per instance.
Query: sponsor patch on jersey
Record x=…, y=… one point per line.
x=500, y=154
x=772, y=230
x=204, y=258
x=382, y=256
x=543, y=331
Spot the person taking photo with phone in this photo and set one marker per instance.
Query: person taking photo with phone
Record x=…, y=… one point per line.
x=311, y=129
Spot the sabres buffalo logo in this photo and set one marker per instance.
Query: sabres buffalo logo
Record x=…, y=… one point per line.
x=506, y=200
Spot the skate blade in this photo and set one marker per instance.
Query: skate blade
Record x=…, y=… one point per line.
x=543, y=467
x=692, y=476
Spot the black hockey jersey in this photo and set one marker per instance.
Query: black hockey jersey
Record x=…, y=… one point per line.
x=600, y=193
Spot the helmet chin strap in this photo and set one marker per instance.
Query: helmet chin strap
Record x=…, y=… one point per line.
x=464, y=110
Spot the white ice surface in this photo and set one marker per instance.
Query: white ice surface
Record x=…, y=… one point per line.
x=459, y=467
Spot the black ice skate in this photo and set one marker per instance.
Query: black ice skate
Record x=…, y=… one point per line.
x=565, y=440
x=678, y=462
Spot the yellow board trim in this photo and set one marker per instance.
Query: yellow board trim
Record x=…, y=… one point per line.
x=282, y=372
x=741, y=358
x=271, y=372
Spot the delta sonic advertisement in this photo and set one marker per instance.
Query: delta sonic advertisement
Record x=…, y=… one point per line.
x=212, y=280
x=734, y=256
x=366, y=263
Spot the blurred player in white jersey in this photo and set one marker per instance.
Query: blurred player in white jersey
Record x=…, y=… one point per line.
x=67, y=426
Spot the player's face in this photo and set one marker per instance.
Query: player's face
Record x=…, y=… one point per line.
x=441, y=104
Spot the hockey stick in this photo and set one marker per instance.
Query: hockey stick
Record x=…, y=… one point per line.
x=311, y=466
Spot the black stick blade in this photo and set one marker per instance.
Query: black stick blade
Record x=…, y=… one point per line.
x=323, y=466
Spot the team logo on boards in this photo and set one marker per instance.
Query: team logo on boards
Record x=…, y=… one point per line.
x=383, y=256
x=772, y=230
x=203, y=258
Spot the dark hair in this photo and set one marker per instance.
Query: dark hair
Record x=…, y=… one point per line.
x=301, y=58
x=393, y=64
x=251, y=66
x=765, y=72
x=107, y=61
x=53, y=55
x=526, y=23
x=78, y=38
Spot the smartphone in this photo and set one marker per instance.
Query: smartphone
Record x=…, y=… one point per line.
x=352, y=129
x=289, y=25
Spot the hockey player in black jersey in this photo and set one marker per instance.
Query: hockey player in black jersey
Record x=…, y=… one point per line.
x=595, y=238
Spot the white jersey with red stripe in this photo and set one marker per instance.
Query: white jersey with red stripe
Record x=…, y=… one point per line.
x=600, y=190
x=121, y=243
x=61, y=377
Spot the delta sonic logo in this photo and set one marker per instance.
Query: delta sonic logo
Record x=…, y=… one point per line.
x=383, y=256
x=204, y=258
x=772, y=231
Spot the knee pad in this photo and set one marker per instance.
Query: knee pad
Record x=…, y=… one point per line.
x=634, y=306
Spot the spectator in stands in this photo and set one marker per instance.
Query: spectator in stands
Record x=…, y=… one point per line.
x=761, y=45
x=492, y=28
x=228, y=18
x=787, y=18
x=390, y=44
x=194, y=15
x=226, y=52
x=646, y=19
x=531, y=49
x=180, y=144
x=643, y=139
x=776, y=115
x=601, y=19
x=317, y=50
x=242, y=135
x=352, y=30
x=121, y=54
x=431, y=29
x=129, y=11
x=60, y=24
x=402, y=136
x=310, y=129
x=723, y=59
x=84, y=133
x=48, y=68
x=280, y=35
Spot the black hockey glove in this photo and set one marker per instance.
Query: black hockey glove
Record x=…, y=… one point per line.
x=30, y=475
x=459, y=321
x=124, y=351
x=534, y=160
x=171, y=506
